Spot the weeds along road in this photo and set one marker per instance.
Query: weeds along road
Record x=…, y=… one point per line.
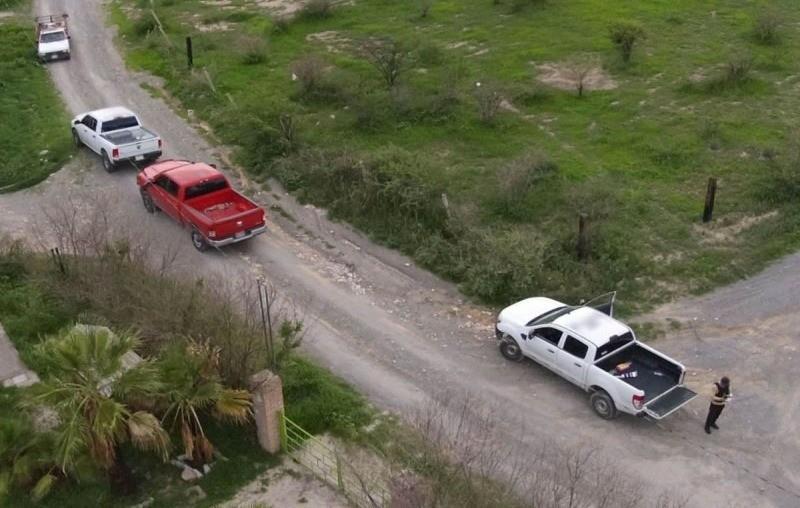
x=402, y=337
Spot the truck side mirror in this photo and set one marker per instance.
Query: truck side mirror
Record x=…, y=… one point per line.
x=213, y=166
x=76, y=122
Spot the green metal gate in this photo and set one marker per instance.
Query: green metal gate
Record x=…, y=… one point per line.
x=328, y=464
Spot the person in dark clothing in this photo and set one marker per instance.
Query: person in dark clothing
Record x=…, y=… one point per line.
x=720, y=395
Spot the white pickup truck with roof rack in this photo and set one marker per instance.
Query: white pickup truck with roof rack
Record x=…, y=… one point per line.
x=116, y=135
x=588, y=347
x=52, y=37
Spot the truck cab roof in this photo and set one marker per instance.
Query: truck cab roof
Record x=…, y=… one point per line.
x=108, y=114
x=183, y=173
x=586, y=322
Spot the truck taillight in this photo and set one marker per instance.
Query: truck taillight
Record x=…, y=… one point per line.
x=638, y=401
x=212, y=233
x=115, y=153
x=159, y=142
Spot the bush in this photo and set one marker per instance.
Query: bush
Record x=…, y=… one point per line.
x=624, y=36
x=144, y=25
x=781, y=181
x=254, y=50
x=280, y=25
x=317, y=9
x=424, y=8
x=430, y=54
x=308, y=72
x=516, y=179
x=766, y=28
x=489, y=100
x=388, y=56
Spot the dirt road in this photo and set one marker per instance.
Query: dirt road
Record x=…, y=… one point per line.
x=401, y=335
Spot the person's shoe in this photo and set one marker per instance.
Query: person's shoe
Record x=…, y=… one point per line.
x=714, y=426
x=708, y=430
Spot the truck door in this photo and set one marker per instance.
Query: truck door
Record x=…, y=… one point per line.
x=87, y=131
x=571, y=360
x=165, y=195
x=542, y=345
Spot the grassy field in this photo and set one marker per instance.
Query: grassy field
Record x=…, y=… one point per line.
x=710, y=91
x=33, y=140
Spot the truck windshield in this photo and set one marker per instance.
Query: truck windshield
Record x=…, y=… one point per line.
x=53, y=37
x=550, y=316
x=122, y=122
x=614, y=343
x=206, y=187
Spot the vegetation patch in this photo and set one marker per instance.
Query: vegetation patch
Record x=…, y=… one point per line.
x=34, y=141
x=395, y=105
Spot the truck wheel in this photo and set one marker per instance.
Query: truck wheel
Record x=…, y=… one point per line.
x=76, y=139
x=510, y=349
x=198, y=241
x=147, y=201
x=108, y=165
x=603, y=405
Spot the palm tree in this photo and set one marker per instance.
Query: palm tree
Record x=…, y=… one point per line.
x=193, y=388
x=90, y=378
x=25, y=458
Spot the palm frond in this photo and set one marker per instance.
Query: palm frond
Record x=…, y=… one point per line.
x=147, y=433
x=43, y=486
x=233, y=405
x=137, y=383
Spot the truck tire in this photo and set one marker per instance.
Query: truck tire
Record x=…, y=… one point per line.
x=147, y=201
x=603, y=405
x=510, y=349
x=198, y=241
x=108, y=165
x=76, y=139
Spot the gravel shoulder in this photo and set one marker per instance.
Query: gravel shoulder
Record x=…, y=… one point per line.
x=402, y=336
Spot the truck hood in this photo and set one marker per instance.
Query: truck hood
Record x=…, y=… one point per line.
x=53, y=47
x=524, y=311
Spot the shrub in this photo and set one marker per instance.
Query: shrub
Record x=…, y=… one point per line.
x=766, y=28
x=308, y=72
x=624, y=36
x=254, y=50
x=738, y=69
x=517, y=178
x=144, y=25
x=430, y=54
x=489, y=100
x=317, y=9
x=388, y=56
x=424, y=8
x=781, y=182
x=280, y=25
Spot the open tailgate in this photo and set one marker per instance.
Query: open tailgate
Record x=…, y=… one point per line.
x=669, y=402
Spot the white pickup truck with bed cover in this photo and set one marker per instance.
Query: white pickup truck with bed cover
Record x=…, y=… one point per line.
x=588, y=347
x=116, y=135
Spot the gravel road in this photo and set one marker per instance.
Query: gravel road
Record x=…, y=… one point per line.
x=402, y=336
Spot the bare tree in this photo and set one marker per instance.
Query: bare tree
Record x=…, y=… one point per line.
x=388, y=56
x=489, y=100
x=579, y=71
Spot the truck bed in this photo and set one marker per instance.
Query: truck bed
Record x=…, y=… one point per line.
x=655, y=374
x=129, y=136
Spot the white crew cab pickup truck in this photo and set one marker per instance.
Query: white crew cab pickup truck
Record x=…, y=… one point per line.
x=52, y=37
x=116, y=135
x=588, y=347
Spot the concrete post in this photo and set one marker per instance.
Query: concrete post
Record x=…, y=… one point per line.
x=267, y=390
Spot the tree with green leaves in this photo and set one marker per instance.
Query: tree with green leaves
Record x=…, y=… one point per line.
x=193, y=390
x=95, y=385
x=624, y=35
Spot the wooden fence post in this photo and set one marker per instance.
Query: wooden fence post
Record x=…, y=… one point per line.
x=189, y=55
x=711, y=195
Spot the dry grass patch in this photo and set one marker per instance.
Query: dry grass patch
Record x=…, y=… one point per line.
x=563, y=77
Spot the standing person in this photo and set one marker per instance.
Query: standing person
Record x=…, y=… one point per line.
x=720, y=394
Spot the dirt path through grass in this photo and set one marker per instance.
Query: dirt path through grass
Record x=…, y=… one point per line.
x=402, y=336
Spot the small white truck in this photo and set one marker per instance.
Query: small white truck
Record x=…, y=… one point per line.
x=52, y=37
x=588, y=347
x=116, y=135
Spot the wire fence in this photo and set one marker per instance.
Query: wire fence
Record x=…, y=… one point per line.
x=362, y=487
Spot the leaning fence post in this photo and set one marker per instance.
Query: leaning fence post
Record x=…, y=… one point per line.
x=711, y=194
x=339, y=480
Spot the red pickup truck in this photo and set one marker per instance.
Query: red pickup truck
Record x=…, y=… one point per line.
x=198, y=196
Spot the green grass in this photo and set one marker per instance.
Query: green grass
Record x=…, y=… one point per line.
x=34, y=141
x=636, y=157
